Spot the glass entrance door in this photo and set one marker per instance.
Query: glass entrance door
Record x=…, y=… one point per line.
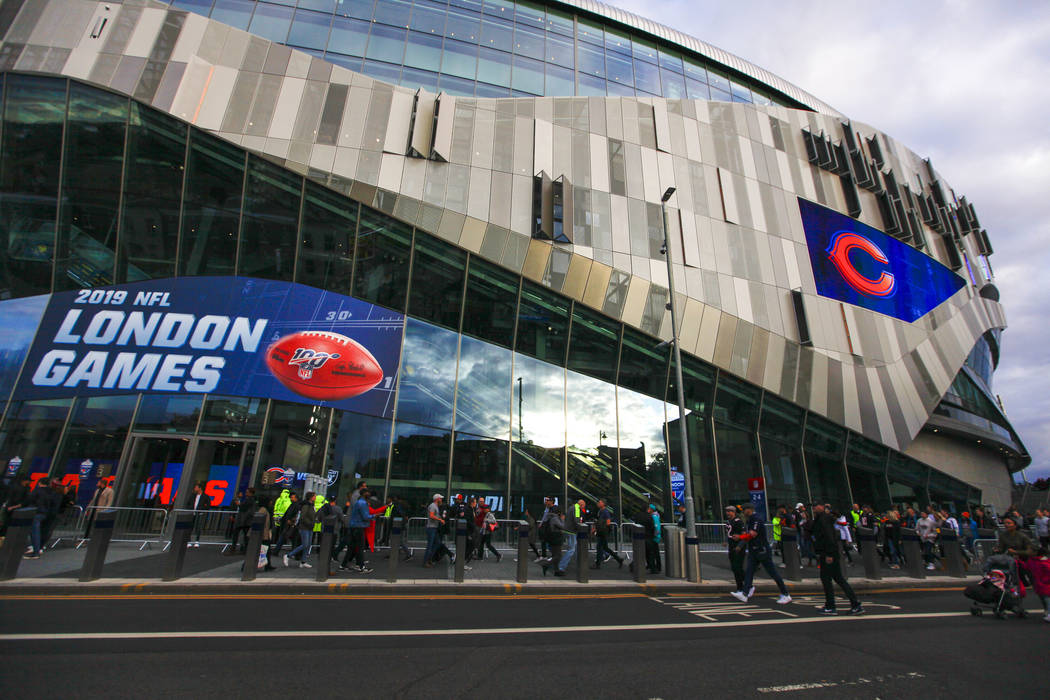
x=154, y=472
x=223, y=468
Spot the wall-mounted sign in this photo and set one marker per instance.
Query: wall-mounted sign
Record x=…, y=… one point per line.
x=857, y=264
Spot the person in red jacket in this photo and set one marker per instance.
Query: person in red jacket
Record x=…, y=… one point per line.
x=1039, y=567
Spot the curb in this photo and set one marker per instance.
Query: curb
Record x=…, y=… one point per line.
x=210, y=587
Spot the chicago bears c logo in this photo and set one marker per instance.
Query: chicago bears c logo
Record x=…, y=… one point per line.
x=842, y=243
x=308, y=360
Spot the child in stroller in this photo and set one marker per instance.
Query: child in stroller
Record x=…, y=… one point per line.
x=1000, y=590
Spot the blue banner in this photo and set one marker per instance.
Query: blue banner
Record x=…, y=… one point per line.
x=236, y=336
x=857, y=264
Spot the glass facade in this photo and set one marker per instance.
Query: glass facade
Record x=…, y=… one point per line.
x=506, y=389
x=487, y=48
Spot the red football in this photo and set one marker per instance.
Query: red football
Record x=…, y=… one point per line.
x=323, y=366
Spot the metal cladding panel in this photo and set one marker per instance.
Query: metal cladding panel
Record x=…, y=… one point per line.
x=397, y=134
x=444, y=114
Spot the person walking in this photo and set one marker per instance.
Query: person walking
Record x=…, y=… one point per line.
x=361, y=517
x=573, y=518
x=267, y=531
x=307, y=519
x=1042, y=526
x=531, y=522
x=845, y=538
x=926, y=527
x=289, y=521
x=736, y=547
x=102, y=498
x=826, y=545
x=489, y=525
x=47, y=499
x=435, y=526
x=198, y=503
x=603, y=525
x=805, y=534
x=243, y=521
x=555, y=537
x=892, y=531
x=758, y=552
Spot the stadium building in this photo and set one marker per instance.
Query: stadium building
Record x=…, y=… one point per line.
x=421, y=243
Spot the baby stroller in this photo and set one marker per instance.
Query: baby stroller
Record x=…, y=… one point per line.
x=1000, y=590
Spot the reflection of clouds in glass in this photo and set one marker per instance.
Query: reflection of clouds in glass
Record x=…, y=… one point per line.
x=428, y=373
x=484, y=380
x=541, y=401
x=19, y=318
x=591, y=410
x=641, y=420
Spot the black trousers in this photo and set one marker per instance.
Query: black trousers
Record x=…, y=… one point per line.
x=357, y=547
x=604, y=552
x=833, y=572
x=652, y=555
x=736, y=563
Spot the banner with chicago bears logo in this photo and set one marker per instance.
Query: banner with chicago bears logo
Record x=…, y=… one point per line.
x=860, y=265
x=237, y=336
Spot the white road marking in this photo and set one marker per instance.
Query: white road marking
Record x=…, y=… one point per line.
x=284, y=633
x=712, y=610
x=834, y=684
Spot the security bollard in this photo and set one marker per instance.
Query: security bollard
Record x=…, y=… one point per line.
x=180, y=537
x=911, y=548
x=953, y=556
x=396, y=526
x=692, y=559
x=638, y=553
x=869, y=552
x=324, y=556
x=101, y=533
x=523, y=552
x=582, y=555
x=792, y=558
x=18, y=528
x=251, y=551
x=674, y=548
x=461, y=549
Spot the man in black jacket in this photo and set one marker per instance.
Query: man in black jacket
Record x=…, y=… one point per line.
x=737, y=548
x=826, y=545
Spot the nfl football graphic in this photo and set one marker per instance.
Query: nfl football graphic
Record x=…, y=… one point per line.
x=323, y=366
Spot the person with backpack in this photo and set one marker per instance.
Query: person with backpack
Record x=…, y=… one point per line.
x=758, y=552
x=552, y=529
x=489, y=524
x=307, y=518
x=603, y=525
x=289, y=521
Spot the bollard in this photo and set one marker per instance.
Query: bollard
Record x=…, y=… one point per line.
x=102, y=533
x=674, y=546
x=461, y=549
x=953, y=556
x=395, y=549
x=792, y=556
x=324, y=556
x=692, y=559
x=523, y=552
x=251, y=551
x=911, y=548
x=180, y=537
x=582, y=534
x=638, y=553
x=869, y=552
x=18, y=528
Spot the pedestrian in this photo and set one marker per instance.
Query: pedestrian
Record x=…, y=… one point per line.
x=279, y=508
x=1012, y=541
x=17, y=497
x=805, y=534
x=826, y=545
x=1042, y=526
x=1038, y=567
x=489, y=525
x=289, y=522
x=845, y=538
x=758, y=552
x=573, y=518
x=435, y=528
x=343, y=529
x=555, y=537
x=307, y=519
x=533, y=528
x=198, y=503
x=397, y=510
x=653, y=537
x=682, y=520
x=243, y=520
x=267, y=531
x=736, y=547
x=361, y=517
x=47, y=499
x=548, y=505
x=926, y=528
x=102, y=498
x=891, y=527
x=603, y=525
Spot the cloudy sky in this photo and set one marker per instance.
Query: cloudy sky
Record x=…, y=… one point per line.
x=962, y=82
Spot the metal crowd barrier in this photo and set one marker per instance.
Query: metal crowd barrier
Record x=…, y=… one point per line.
x=144, y=526
x=69, y=525
x=214, y=527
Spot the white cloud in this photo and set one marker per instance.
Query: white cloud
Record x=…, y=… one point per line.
x=959, y=81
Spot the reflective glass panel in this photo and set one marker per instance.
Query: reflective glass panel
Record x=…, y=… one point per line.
x=737, y=462
x=211, y=206
x=706, y=497
x=383, y=247
x=644, y=471
x=423, y=51
x=386, y=44
x=737, y=402
x=270, y=221
x=295, y=437
x=154, y=165
x=647, y=77
x=326, y=240
x=393, y=12
x=34, y=115
x=785, y=477
x=538, y=435
x=479, y=469
x=595, y=344
x=31, y=432
x=310, y=29
x=673, y=84
x=590, y=32
x=781, y=420
x=907, y=481
x=428, y=18
x=543, y=323
x=168, y=413
x=358, y=446
x=590, y=61
x=697, y=90
x=437, y=282
x=643, y=365
x=671, y=61
x=528, y=42
x=94, y=156
x=491, y=303
x=494, y=67
x=348, y=36
x=418, y=465
x=497, y=35
x=620, y=69
x=590, y=410
x=560, y=51
x=271, y=22
x=236, y=13
x=527, y=76
x=460, y=59
x=233, y=416
x=483, y=392
x=428, y=375
x=93, y=443
x=462, y=25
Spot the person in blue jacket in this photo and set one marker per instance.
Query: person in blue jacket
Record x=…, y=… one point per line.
x=360, y=517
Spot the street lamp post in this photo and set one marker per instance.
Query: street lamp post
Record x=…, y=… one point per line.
x=692, y=548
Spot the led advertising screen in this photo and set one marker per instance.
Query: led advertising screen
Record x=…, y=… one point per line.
x=233, y=336
x=860, y=265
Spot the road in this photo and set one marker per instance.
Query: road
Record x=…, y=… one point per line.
x=916, y=644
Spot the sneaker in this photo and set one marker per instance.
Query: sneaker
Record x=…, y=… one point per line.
x=1047, y=618
x=305, y=565
x=857, y=609
x=499, y=557
x=361, y=570
x=343, y=567
x=30, y=556
x=739, y=596
x=930, y=567
x=468, y=568
x=750, y=591
x=783, y=600
x=410, y=555
x=285, y=559
x=451, y=558
x=828, y=611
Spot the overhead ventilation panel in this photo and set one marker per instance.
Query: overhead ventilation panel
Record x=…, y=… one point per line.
x=444, y=114
x=422, y=129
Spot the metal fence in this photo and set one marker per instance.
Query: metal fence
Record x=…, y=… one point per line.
x=69, y=525
x=210, y=527
x=142, y=526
